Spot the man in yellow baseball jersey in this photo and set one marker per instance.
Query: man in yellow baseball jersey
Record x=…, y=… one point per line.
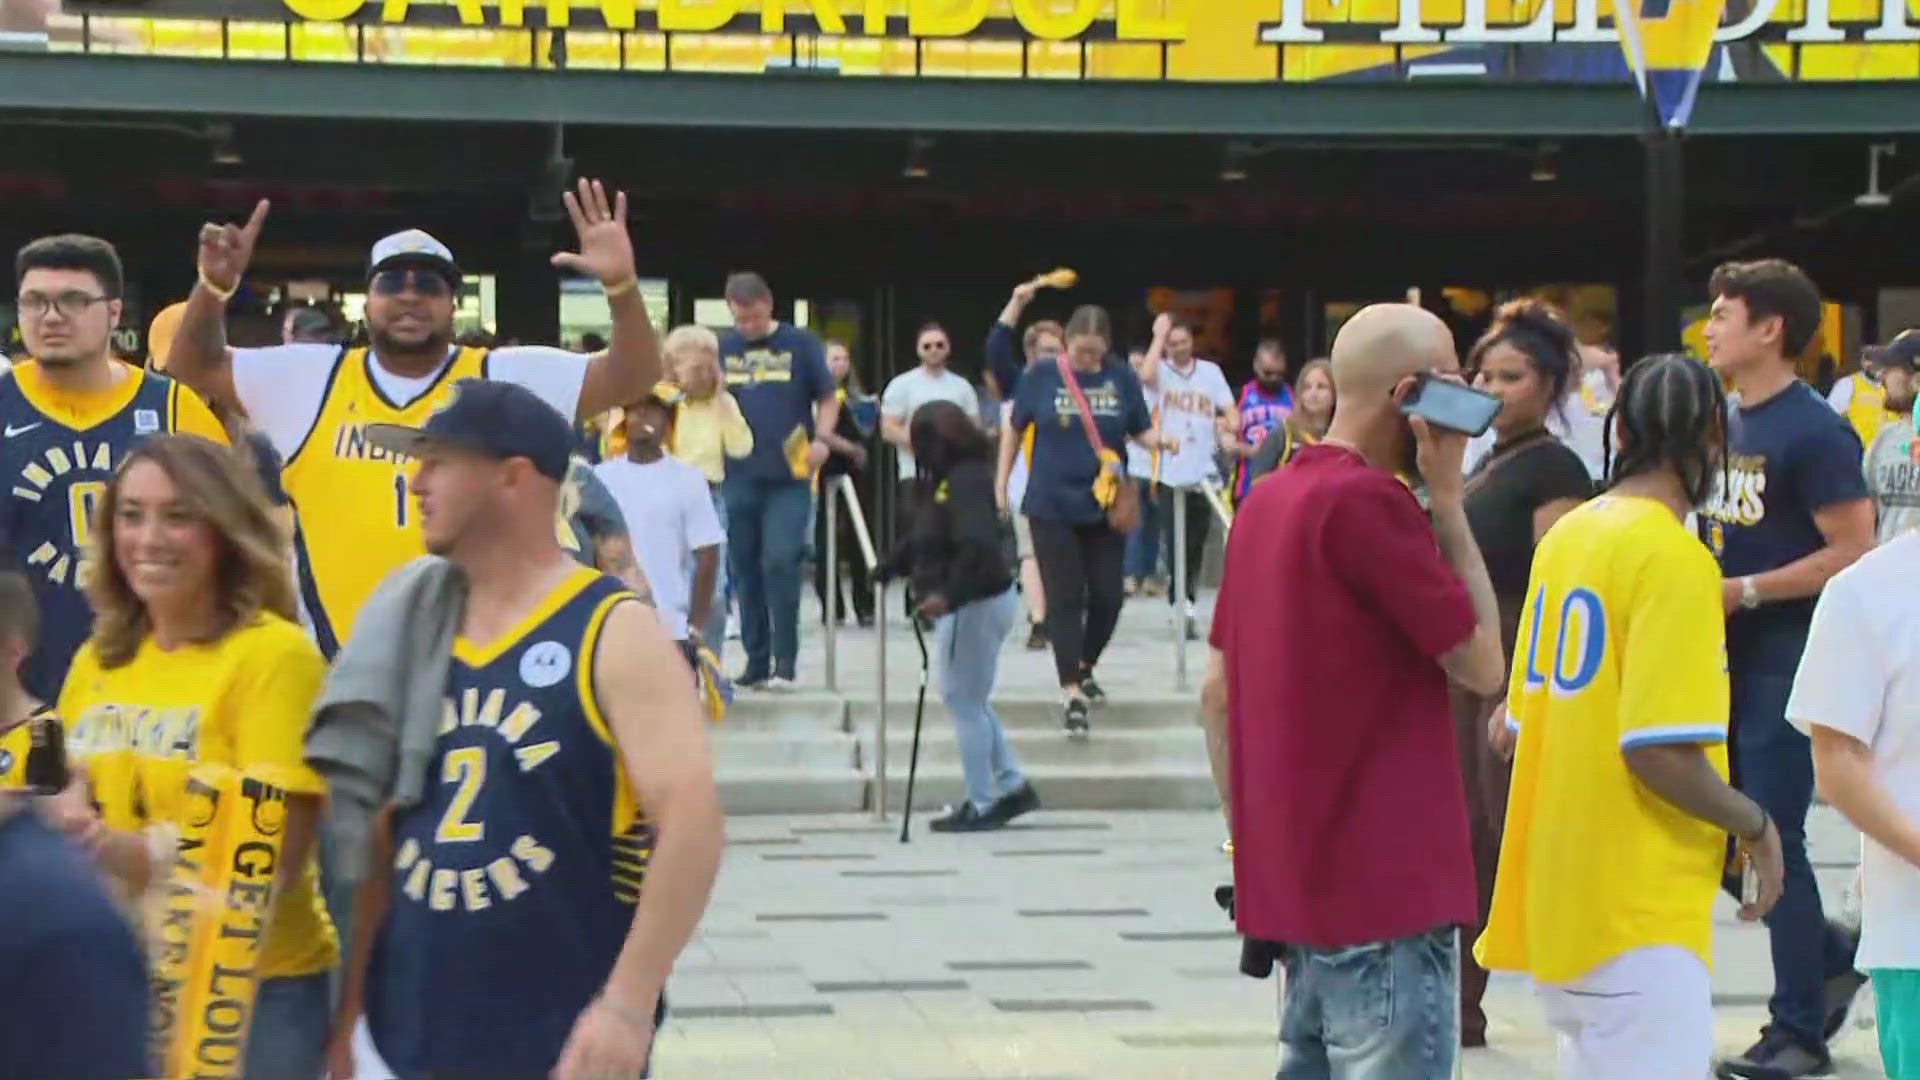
x=313, y=401
x=1619, y=807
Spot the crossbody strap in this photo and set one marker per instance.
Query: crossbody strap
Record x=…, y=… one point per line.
x=1080, y=406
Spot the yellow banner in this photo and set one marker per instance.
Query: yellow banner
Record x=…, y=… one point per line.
x=206, y=925
x=1190, y=40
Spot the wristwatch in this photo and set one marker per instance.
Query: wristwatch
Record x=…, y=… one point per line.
x=1749, y=596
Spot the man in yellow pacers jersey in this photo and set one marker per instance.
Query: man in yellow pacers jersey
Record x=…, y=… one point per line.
x=67, y=417
x=313, y=401
x=1619, y=809
x=517, y=934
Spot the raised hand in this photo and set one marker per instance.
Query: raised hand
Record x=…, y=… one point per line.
x=606, y=251
x=225, y=250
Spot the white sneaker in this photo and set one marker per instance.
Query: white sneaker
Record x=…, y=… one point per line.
x=778, y=685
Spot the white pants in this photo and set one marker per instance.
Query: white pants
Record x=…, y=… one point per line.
x=1645, y=1014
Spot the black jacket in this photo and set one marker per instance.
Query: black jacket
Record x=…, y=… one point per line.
x=956, y=547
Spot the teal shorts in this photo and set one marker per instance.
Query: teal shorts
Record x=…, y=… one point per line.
x=1896, y=1000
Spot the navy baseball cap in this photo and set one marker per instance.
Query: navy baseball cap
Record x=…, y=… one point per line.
x=498, y=419
x=1902, y=352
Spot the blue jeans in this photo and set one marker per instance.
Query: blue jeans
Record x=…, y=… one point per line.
x=1142, y=559
x=288, y=1037
x=1386, y=1010
x=968, y=643
x=767, y=531
x=714, y=634
x=1773, y=766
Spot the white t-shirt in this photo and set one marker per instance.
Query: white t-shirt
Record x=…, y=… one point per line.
x=1187, y=403
x=911, y=389
x=1860, y=675
x=1017, y=475
x=282, y=388
x=1571, y=423
x=670, y=516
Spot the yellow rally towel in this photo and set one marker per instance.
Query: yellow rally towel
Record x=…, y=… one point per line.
x=1106, y=483
x=209, y=916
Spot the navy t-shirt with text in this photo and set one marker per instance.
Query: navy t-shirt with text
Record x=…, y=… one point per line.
x=1061, y=473
x=1789, y=457
x=777, y=380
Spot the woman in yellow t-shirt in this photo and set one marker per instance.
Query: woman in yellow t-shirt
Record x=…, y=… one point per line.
x=196, y=657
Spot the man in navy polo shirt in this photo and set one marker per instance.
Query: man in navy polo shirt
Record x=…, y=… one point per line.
x=778, y=374
x=1792, y=512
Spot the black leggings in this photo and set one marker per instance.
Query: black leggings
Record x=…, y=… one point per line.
x=1081, y=571
x=1199, y=519
x=853, y=568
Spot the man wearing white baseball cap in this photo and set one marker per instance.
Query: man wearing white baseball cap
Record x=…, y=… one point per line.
x=314, y=401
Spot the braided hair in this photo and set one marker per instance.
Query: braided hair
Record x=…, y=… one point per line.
x=1666, y=408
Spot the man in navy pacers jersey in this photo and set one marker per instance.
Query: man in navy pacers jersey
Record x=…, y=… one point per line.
x=68, y=414
x=518, y=942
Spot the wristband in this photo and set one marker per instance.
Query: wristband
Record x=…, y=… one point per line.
x=621, y=289
x=224, y=294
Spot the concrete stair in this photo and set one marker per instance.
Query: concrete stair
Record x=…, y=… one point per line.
x=816, y=753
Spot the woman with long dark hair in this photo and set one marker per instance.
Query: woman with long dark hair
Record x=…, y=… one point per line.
x=1527, y=357
x=1083, y=408
x=955, y=555
x=847, y=456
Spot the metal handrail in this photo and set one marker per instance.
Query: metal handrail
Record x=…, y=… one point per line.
x=843, y=487
x=1216, y=498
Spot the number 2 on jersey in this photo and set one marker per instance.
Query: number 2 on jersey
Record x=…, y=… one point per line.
x=467, y=767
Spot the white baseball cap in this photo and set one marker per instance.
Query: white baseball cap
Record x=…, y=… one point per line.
x=413, y=246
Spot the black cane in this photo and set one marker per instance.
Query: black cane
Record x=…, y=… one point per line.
x=919, y=714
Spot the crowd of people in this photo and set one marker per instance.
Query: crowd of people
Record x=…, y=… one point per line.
x=1650, y=668
x=1557, y=684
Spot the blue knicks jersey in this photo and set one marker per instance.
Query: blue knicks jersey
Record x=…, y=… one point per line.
x=58, y=453
x=516, y=876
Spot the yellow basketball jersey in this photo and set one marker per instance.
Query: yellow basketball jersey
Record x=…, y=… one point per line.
x=1867, y=408
x=357, y=519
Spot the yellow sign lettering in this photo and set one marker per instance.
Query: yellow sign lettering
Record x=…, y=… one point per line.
x=326, y=10
x=697, y=16
x=773, y=16
x=1039, y=18
x=945, y=18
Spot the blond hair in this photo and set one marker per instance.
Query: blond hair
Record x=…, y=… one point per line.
x=251, y=571
x=684, y=339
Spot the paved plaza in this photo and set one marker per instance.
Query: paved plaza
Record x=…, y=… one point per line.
x=1080, y=944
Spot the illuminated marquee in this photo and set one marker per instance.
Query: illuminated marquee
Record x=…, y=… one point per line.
x=1288, y=22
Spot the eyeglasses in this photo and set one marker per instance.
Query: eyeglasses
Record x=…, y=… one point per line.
x=70, y=305
x=423, y=282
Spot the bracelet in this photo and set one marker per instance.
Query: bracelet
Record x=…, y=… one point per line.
x=1761, y=832
x=224, y=294
x=621, y=289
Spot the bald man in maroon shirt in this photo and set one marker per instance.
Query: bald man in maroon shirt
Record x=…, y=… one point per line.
x=1342, y=615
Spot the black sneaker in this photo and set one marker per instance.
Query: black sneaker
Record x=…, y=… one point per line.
x=1079, y=717
x=1037, y=637
x=1777, y=1056
x=752, y=680
x=1021, y=800
x=964, y=818
x=1092, y=690
x=1844, y=985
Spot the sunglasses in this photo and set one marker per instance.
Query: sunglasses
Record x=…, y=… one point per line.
x=423, y=283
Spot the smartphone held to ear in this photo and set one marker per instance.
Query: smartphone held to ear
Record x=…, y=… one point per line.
x=1451, y=405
